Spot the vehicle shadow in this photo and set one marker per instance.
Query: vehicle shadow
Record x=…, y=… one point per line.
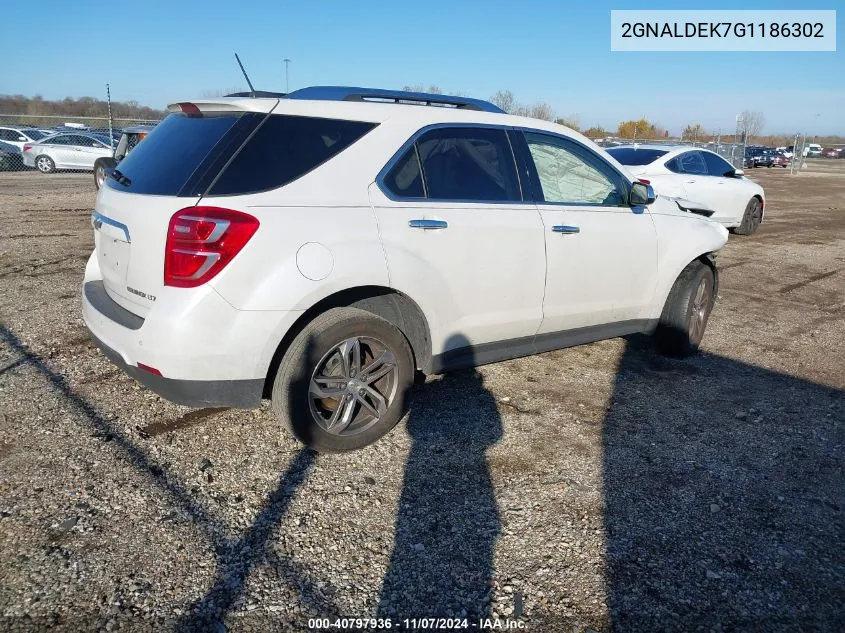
x=723, y=497
x=235, y=557
x=448, y=520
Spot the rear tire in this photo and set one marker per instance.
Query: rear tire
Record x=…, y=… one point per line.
x=334, y=398
x=45, y=164
x=686, y=312
x=751, y=219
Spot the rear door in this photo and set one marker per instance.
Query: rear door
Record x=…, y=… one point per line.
x=461, y=241
x=601, y=254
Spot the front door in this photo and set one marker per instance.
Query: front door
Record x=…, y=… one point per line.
x=601, y=255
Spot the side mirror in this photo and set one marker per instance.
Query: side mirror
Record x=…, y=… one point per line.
x=23, y=138
x=641, y=194
x=737, y=173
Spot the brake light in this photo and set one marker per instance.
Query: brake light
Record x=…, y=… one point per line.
x=201, y=241
x=190, y=109
x=643, y=181
x=26, y=148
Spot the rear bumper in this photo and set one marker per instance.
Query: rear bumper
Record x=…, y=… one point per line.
x=243, y=394
x=208, y=353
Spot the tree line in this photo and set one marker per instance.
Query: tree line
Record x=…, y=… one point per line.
x=76, y=107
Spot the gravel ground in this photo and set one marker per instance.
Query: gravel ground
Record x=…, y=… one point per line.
x=600, y=487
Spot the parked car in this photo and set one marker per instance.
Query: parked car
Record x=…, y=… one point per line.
x=130, y=137
x=832, y=152
x=764, y=158
x=78, y=150
x=780, y=159
x=812, y=150
x=701, y=175
x=10, y=157
x=318, y=249
x=17, y=137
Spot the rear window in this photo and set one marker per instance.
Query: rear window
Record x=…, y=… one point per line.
x=285, y=148
x=636, y=155
x=35, y=135
x=169, y=156
x=231, y=153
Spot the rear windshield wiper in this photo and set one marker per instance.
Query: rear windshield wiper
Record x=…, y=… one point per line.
x=120, y=178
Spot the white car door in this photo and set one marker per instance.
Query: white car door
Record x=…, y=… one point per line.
x=461, y=241
x=733, y=192
x=601, y=254
x=718, y=192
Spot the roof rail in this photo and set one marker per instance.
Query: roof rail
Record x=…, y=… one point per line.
x=346, y=93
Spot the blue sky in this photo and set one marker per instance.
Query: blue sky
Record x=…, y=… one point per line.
x=557, y=52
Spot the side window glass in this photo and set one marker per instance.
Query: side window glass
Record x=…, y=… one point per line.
x=472, y=164
x=405, y=179
x=59, y=140
x=674, y=165
x=716, y=166
x=568, y=175
x=5, y=135
x=693, y=163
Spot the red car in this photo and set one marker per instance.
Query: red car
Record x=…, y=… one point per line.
x=832, y=152
x=781, y=160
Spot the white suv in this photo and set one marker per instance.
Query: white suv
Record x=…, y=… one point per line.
x=320, y=248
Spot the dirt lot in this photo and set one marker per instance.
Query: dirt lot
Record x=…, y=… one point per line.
x=598, y=487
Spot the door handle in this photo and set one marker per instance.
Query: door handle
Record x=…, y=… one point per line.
x=428, y=224
x=562, y=228
x=689, y=182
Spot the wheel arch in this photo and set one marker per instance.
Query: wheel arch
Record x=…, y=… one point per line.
x=387, y=303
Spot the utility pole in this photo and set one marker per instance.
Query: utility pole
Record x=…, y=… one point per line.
x=111, y=129
x=287, y=75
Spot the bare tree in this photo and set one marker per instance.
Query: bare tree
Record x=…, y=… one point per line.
x=542, y=110
x=505, y=100
x=432, y=89
x=751, y=123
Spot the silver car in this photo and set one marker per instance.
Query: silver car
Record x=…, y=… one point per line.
x=67, y=150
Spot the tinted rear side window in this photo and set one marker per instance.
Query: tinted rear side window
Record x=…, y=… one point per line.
x=283, y=149
x=635, y=156
x=173, y=152
x=468, y=164
x=405, y=178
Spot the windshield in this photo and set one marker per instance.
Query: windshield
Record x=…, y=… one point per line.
x=636, y=155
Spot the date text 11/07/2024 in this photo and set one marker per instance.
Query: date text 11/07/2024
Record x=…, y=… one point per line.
x=416, y=624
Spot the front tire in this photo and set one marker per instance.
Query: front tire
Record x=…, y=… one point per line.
x=752, y=217
x=100, y=166
x=45, y=164
x=687, y=311
x=343, y=383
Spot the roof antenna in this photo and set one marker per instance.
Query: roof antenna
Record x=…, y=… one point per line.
x=251, y=89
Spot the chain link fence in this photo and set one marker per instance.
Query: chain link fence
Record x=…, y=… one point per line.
x=72, y=143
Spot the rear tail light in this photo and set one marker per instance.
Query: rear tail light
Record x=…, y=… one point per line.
x=190, y=109
x=26, y=148
x=643, y=181
x=201, y=241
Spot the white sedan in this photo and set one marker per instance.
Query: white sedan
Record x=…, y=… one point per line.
x=78, y=150
x=700, y=175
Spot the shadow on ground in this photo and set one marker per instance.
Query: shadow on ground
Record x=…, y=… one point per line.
x=448, y=520
x=724, y=491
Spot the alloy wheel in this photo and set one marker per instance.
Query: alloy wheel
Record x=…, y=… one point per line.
x=353, y=385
